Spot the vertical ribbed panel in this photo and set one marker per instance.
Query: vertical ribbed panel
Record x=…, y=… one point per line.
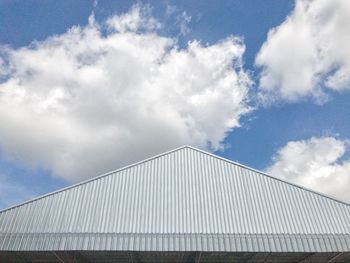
x=185, y=192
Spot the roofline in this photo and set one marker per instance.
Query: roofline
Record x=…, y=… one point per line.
x=267, y=175
x=94, y=178
x=160, y=155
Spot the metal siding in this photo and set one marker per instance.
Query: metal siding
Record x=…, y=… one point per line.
x=184, y=200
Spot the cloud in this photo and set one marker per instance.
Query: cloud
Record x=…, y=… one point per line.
x=316, y=163
x=307, y=55
x=105, y=95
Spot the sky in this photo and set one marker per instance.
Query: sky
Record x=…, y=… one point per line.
x=91, y=86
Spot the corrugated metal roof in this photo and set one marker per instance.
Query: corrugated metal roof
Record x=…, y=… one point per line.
x=183, y=200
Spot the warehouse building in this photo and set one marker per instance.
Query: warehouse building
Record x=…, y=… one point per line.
x=185, y=205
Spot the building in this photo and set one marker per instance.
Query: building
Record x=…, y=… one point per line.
x=185, y=205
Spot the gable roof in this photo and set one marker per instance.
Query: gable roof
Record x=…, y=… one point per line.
x=182, y=200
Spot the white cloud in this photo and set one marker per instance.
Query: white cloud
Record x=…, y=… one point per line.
x=308, y=53
x=315, y=163
x=86, y=101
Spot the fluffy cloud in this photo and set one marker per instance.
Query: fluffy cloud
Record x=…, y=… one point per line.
x=308, y=53
x=101, y=96
x=316, y=163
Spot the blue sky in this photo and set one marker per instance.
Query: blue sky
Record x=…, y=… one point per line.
x=300, y=134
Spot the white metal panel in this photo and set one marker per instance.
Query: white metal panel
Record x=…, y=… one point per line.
x=183, y=200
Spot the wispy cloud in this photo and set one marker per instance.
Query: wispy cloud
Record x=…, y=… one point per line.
x=183, y=20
